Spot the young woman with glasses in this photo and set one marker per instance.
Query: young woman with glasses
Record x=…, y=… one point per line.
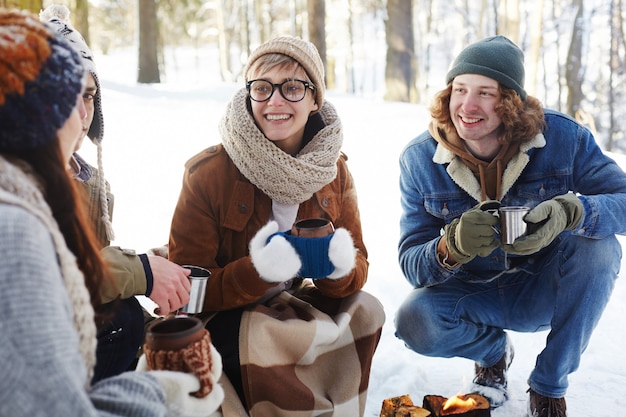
x=280, y=161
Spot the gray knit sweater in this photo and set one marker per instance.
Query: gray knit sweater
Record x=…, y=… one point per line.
x=44, y=372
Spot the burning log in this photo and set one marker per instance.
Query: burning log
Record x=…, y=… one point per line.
x=402, y=406
x=467, y=405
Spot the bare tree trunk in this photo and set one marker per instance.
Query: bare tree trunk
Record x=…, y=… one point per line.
x=481, y=20
x=557, y=43
x=534, y=54
x=350, y=58
x=223, y=43
x=33, y=6
x=574, y=71
x=81, y=19
x=614, y=69
x=245, y=26
x=509, y=16
x=148, y=71
x=316, y=11
x=424, y=44
x=400, y=65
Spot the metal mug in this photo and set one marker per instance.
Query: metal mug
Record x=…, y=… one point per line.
x=512, y=224
x=198, y=277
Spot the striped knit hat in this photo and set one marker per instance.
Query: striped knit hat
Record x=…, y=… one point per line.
x=58, y=17
x=304, y=52
x=40, y=79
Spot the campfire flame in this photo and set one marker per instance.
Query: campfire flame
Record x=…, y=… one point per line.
x=459, y=404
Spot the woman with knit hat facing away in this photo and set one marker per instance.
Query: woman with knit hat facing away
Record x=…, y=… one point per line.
x=50, y=266
x=296, y=337
x=164, y=282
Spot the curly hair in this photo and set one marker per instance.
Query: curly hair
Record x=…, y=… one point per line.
x=521, y=120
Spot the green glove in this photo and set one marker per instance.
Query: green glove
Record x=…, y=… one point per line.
x=546, y=222
x=472, y=234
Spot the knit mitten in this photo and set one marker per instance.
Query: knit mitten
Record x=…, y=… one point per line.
x=313, y=252
x=199, y=358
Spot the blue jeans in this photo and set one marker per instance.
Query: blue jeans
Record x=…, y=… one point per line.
x=565, y=289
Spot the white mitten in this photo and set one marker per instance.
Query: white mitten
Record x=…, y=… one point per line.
x=276, y=261
x=178, y=386
x=342, y=253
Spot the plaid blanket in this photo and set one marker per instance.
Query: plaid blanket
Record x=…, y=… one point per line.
x=309, y=355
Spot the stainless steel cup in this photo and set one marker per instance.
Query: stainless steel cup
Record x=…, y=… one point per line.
x=198, y=277
x=511, y=223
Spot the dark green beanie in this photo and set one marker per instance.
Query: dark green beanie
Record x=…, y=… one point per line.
x=495, y=57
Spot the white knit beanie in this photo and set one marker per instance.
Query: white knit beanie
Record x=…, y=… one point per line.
x=57, y=16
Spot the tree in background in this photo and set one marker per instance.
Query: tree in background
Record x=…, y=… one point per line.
x=394, y=49
x=400, y=68
x=148, y=71
x=316, y=11
x=34, y=6
x=80, y=18
x=574, y=68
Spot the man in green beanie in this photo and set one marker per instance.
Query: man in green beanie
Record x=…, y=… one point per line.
x=490, y=145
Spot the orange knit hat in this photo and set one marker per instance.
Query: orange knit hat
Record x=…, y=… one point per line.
x=40, y=79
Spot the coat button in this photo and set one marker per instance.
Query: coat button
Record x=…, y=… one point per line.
x=242, y=208
x=325, y=202
x=212, y=149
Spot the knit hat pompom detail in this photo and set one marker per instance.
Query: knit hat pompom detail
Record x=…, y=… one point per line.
x=40, y=79
x=495, y=57
x=58, y=17
x=303, y=52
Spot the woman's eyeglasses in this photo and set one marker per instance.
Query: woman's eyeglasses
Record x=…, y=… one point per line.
x=291, y=90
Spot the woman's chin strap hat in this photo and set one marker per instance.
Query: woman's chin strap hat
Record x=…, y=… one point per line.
x=497, y=58
x=58, y=16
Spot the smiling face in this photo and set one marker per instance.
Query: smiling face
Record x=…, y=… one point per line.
x=472, y=109
x=283, y=121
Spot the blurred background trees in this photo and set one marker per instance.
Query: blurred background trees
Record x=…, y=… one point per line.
x=396, y=50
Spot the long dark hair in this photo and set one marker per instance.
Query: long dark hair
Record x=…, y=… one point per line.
x=62, y=195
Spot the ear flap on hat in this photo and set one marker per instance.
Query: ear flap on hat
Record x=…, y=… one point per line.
x=58, y=17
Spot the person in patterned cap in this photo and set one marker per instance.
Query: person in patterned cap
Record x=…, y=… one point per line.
x=50, y=262
x=162, y=281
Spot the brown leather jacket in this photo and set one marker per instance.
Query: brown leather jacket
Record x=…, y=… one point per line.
x=219, y=211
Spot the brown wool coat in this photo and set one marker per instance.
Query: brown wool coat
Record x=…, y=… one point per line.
x=219, y=211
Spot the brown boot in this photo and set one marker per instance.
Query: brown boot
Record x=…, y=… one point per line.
x=491, y=381
x=540, y=406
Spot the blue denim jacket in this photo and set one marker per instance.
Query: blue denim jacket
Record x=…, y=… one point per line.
x=436, y=187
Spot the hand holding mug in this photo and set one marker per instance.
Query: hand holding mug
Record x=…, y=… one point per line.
x=472, y=234
x=183, y=344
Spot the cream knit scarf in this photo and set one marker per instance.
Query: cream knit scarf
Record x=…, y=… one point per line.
x=19, y=187
x=284, y=178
